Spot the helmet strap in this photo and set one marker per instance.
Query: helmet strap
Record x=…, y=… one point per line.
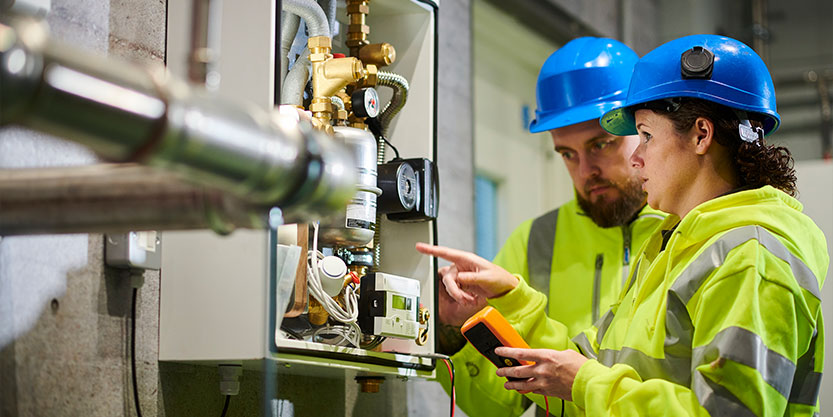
x=745, y=130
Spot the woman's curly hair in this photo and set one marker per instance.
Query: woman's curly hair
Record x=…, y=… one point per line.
x=757, y=164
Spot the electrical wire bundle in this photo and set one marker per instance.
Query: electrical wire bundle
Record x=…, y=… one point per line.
x=347, y=314
x=349, y=334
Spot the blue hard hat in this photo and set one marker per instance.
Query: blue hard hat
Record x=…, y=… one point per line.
x=709, y=67
x=581, y=81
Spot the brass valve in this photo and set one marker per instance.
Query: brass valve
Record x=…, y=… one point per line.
x=329, y=75
x=379, y=54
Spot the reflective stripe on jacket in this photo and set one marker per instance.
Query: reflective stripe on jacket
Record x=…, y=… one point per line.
x=579, y=265
x=722, y=319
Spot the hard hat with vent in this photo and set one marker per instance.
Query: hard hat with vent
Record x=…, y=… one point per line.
x=709, y=67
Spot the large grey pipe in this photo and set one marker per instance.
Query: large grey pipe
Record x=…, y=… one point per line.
x=125, y=115
x=109, y=198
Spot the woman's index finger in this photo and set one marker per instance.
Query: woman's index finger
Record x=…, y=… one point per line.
x=449, y=254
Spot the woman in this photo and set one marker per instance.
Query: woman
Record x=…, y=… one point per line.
x=721, y=315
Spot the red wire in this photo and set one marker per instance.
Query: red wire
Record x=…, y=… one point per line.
x=453, y=394
x=547, y=403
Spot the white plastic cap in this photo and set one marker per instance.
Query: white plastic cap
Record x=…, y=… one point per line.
x=332, y=271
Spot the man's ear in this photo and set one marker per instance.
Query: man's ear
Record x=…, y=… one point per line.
x=702, y=134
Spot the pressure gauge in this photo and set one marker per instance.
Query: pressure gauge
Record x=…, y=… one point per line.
x=365, y=102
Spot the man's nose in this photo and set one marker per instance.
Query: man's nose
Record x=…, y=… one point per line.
x=636, y=157
x=589, y=167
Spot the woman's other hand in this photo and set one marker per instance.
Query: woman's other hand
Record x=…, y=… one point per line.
x=552, y=374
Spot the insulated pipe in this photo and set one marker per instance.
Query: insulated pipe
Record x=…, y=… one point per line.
x=124, y=114
x=295, y=82
x=289, y=28
x=400, y=87
x=330, y=7
x=313, y=15
x=108, y=198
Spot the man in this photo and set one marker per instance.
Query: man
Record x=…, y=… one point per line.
x=579, y=253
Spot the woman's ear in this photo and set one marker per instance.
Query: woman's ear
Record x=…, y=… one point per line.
x=703, y=134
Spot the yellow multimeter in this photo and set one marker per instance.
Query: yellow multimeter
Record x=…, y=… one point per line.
x=487, y=330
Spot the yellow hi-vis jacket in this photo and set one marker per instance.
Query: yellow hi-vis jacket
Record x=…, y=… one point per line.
x=721, y=317
x=580, y=265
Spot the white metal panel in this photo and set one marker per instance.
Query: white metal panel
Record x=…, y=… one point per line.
x=213, y=296
x=213, y=301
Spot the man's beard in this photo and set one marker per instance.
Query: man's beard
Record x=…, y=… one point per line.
x=617, y=212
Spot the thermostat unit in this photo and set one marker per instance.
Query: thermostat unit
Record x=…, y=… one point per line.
x=388, y=306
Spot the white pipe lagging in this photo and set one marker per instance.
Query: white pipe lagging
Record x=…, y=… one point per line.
x=289, y=28
x=330, y=7
x=292, y=91
x=295, y=82
x=313, y=15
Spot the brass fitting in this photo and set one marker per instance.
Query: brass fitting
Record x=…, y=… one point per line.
x=316, y=313
x=328, y=76
x=360, y=270
x=370, y=383
x=336, y=73
x=423, y=315
x=357, y=122
x=371, y=76
x=379, y=54
x=348, y=104
x=319, y=44
x=341, y=117
x=357, y=29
